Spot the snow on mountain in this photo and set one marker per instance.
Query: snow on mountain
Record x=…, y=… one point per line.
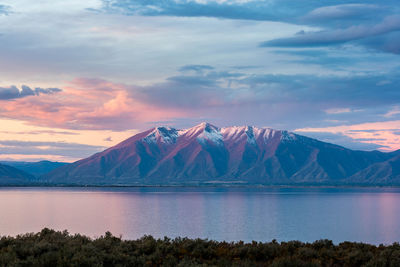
x=163, y=135
x=207, y=132
x=206, y=153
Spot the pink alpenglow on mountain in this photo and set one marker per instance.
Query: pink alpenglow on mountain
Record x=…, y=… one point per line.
x=206, y=154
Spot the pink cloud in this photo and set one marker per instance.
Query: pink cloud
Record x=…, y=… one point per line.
x=337, y=110
x=87, y=104
x=386, y=134
x=393, y=112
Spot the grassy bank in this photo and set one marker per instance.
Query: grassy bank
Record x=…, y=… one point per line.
x=52, y=248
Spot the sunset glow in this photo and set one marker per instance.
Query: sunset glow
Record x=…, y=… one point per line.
x=82, y=76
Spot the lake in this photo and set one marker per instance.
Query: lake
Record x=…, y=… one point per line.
x=369, y=215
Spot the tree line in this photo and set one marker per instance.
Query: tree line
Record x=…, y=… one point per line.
x=55, y=248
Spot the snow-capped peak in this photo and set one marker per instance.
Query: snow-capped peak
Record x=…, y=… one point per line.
x=198, y=129
x=166, y=135
x=206, y=132
x=251, y=133
x=205, y=126
x=236, y=133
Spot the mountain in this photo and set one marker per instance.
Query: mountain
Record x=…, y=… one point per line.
x=207, y=154
x=35, y=168
x=385, y=173
x=12, y=176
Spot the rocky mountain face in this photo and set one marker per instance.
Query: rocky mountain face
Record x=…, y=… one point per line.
x=207, y=154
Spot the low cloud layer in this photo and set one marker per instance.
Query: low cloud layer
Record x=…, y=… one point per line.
x=225, y=89
x=221, y=96
x=341, y=12
x=12, y=92
x=379, y=135
x=86, y=104
x=338, y=36
x=59, y=150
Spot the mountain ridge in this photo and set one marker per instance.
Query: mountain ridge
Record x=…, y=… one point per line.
x=36, y=169
x=209, y=154
x=13, y=176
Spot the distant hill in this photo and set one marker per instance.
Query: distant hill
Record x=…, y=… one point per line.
x=35, y=168
x=206, y=154
x=387, y=172
x=12, y=176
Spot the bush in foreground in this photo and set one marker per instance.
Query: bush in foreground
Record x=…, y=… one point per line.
x=52, y=248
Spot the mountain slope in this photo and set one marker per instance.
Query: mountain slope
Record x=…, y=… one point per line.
x=208, y=154
x=35, y=168
x=12, y=176
x=386, y=173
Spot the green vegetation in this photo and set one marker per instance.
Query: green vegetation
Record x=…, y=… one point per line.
x=51, y=248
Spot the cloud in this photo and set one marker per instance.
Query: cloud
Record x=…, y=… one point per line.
x=342, y=140
x=61, y=45
x=247, y=67
x=288, y=100
x=108, y=139
x=204, y=88
x=196, y=68
x=357, y=91
x=227, y=96
x=337, y=110
x=389, y=42
x=259, y=10
x=340, y=12
x=337, y=23
x=337, y=36
x=41, y=132
x=12, y=92
x=383, y=134
x=383, y=82
x=4, y=10
x=372, y=25
x=60, y=149
x=246, y=10
x=23, y=131
x=393, y=112
x=86, y=104
x=68, y=42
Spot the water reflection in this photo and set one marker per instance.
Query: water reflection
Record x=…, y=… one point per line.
x=362, y=214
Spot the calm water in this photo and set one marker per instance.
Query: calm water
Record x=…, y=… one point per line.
x=369, y=215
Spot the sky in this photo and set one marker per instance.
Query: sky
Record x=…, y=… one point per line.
x=78, y=76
